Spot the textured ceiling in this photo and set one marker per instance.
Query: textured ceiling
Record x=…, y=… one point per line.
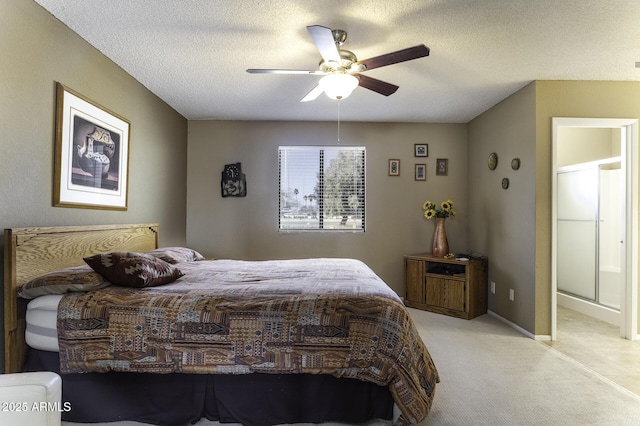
x=193, y=53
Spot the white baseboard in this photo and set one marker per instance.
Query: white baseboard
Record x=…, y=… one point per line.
x=541, y=337
x=518, y=328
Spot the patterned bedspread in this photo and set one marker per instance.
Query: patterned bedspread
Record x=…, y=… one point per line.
x=329, y=316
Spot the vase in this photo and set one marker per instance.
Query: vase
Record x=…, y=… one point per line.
x=440, y=245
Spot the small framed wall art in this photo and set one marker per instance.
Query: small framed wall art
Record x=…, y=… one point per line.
x=91, y=154
x=421, y=150
x=394, y=167
x=442, y=167
x=421, y=172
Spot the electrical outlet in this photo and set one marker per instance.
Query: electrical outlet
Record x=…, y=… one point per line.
x=493, y=287
x=512, y=294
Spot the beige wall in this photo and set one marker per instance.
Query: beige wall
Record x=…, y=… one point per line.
x=246, y=228
x=38, y=50
x=514, y=227
x=592, y=99
x=502, y=223
x=582, y=145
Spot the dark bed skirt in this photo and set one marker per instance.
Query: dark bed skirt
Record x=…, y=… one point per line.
x=180, y=399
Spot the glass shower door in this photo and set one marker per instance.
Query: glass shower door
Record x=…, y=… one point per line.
x=610, y=236
x=577, y=232
x=589, y=233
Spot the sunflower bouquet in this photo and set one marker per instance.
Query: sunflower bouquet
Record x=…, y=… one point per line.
x=445, y=210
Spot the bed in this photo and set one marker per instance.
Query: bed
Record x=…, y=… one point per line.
x=262, y=342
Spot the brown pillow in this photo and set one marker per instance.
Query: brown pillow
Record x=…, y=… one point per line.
x=175, y=255
x=133, y=269
x=77, y=278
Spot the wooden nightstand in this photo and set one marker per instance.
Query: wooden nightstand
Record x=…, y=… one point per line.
x=446, y=286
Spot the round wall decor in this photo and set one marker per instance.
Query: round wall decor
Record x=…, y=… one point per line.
x=492, y=162
x=515, y=163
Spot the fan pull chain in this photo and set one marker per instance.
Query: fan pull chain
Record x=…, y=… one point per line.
x=338, y=122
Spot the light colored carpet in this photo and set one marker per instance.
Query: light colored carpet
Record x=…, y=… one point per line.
x=493, y=375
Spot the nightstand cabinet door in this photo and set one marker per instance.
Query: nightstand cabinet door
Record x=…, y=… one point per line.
x=414, y=277
x=444, y=293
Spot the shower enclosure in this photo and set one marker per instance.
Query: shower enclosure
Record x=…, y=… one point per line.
x=590, y=229
x=594, y=230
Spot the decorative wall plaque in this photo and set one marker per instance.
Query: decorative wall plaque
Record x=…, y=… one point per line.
x=234, y=182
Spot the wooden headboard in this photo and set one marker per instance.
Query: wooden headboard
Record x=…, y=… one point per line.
x=31, y=252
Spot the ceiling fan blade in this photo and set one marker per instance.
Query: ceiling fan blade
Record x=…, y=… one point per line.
x=323, y=39
x=313, y=94
x=276, y=71
x=403, y=55
x=376, y=85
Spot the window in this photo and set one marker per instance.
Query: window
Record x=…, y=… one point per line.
x=321, y=188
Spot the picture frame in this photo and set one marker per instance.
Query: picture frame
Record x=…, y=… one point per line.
x=420, y=150
x=442, y=167
x=421, y=172
x=91, y=164
x=394, y=167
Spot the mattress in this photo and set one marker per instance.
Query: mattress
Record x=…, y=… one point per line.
x=42, y=318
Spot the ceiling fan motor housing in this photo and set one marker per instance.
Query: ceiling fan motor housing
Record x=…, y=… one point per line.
x=347, y=60
x=347, y=57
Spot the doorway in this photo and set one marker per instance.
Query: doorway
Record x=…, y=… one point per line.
x=590, y=218
x=594, y=216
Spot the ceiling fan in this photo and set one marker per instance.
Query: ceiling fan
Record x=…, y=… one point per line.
x=341, y=69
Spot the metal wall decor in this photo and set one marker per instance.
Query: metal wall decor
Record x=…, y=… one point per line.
x=234, y=182
x=492, y=161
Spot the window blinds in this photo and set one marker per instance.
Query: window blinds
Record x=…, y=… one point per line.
x=321, y=188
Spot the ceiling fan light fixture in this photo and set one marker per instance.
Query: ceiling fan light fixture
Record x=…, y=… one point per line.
x=338, y=86
x=343, y=70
